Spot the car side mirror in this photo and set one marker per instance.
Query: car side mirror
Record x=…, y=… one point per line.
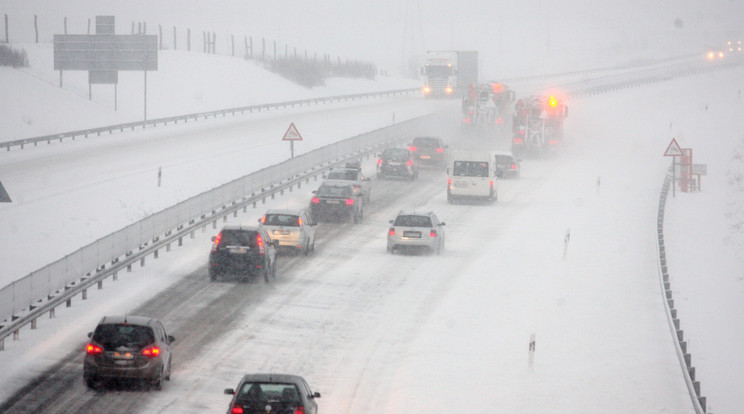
x=315, y=395
x=90, y=334
x=314, y=191
x=171, y=339
x=229, y=391
x=214, y=238
x=391, y=221
x=442, y=224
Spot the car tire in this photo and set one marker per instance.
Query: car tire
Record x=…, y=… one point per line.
x=265, y=272
x=90, y=381
x=391, y=250
x=167, y=376
x=157, y=382
x=212, y=275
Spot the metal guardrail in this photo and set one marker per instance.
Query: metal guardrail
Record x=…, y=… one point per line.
x=24, y=300
x=680, y=345
x=202, y=115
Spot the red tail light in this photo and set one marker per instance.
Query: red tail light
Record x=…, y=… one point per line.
x=349, y=201
x=449, y=183
x=151, y=351
x=315, y=200
x=263, y=219
x=216, y=242
x=412, y=148
x=299, y=410
x=260, y=243
x=433, y=233
x=236, y=409
x=391, y=232
x=93, y=349
x=379, y=161
x=440, y=149
x=299, y=221
x=514, y=166
x=410, y=163
x=491, y=183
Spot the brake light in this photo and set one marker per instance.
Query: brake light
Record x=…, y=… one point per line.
x=412, y=148
x=236, y=409
x=440, y=149
x=263, y=219
x=410, y=163
x=391, y=232
x=433, y=233
x=299, y=221
x=449, y=183
x=299, y=410
x=448, y=90
x=315, y=200
x=514, y=166
x=491, y=183
x=379, y=161
x=260, y=243
x=349, y=201
x=93, y=349
x=216, y=242
x=151, y=351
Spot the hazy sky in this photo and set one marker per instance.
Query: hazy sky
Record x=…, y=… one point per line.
x=512, y=36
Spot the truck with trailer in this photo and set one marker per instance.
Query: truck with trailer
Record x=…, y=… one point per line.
x=447, y=73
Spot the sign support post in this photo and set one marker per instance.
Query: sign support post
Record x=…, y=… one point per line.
x=674, y=150
x=292, y=135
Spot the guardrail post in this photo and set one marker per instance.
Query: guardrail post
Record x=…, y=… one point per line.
x=129, y=267
x=116, y=276
x=85, y=294
x=192, y=234
x=214, y=224
x=51, y=313
x=156, y=254
x=142, y=262
x=33, y=323
x=16, y=335
x=68, y=302
x=2, y=344
x=224, y=218
x=180, y=241
x=100, y=284
x=167, y=247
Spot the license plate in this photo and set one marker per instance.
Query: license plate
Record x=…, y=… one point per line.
x=332, y=202
x=238, y=250
x=412, y=234
x=281, y=232
x=460, y=184
x=394, y=163
x=426, y=157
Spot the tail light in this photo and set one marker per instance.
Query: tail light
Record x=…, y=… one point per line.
x=260, y=243
x=410, y=163
x=491, y=183
x=448, y=89
x=514, y=166
x=299, y=221
x=433, y=233
x=236, y=409
x=315, y=200
x=349, y=201
x=379, y=161
x=427, y=89
x=216, y=242
x=151, y=351
x=299, y=410
x=412, y=148
x=440, y=150
x=391, y=232
x=263, y=219
x=93, y=349
x=449, y=183
x=517, y=140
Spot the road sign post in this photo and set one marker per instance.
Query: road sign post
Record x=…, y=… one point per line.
x=292, y=135
x=674, y=150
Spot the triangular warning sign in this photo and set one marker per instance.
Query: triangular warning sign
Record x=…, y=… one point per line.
x=292, y=134
x=4, y=197
x=673, y=150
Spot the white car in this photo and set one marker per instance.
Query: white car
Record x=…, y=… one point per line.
x=413, y=230
x=293, y=229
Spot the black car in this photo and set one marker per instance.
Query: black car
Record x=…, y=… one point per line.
x=429, y=151
x=128, y=347
x=272, y=394
x=244, y=252
x=337, y=200
x=397, y=162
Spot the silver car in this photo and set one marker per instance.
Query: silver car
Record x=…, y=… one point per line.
x=361, y=183
x=293, y=229
x=413, y=230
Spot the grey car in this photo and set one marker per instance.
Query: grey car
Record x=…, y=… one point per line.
x=412, y=230
x=293, y=229
x=272, y=394
x=128, y=347
x=507, y=164
x=355, y=176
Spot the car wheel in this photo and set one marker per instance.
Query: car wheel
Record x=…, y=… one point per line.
x=90, y=381
x=391, y=249
x=265, y=272
x=157, y=382
x=168, y=375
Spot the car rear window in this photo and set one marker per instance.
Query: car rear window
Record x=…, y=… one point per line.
x=334, y=191
x=257, y=391
x=426, y=142
x=396, y=154
x=470, y=169
x=288, y=220
x=343, y=175
x=112, y=336
x=238, y=238
x=504, y=159
x=412, y=221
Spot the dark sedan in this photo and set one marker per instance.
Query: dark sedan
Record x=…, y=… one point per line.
x=272, y=394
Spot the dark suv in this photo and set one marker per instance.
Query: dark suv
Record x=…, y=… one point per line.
x=243, y=251
x=337, y=200
x=397, y=162
x=272, y=394
x=129, y=347
x=429, y=151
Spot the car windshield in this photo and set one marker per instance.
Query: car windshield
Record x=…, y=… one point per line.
x=289, y=220
x=396, y=155
x=263, y=392
x=343, y=175
x=238, y=238
x=334, y=191
x=470, y=169
x=112, y=336
x=412, y=221
x=426, y=142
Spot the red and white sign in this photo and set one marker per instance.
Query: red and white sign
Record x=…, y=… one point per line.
x=292, y=134
x=673, y=150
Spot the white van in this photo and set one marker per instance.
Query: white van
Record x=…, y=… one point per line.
x=471, y=175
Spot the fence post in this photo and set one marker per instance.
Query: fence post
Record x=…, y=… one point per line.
x=7, y=40
x=132, y=27
x=263, y=48
x=65, y=25
x=214, y=43
x=174, y=37
x=274, y=49
x=188, y=39
x=88, y=26
x=232, y=43
x=204, y=40
x=160, y=37
x=36, y=27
